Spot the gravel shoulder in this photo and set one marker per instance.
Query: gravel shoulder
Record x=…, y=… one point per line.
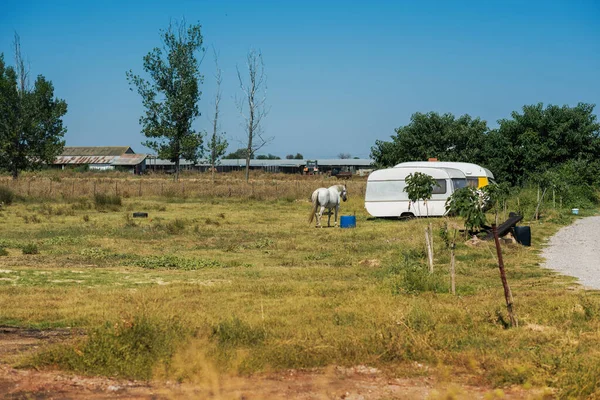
x=575, y=251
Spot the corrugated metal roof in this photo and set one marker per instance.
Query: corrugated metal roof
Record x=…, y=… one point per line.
x=129, y=159
x=97, y=151
x=125, y=159
x=362, y=162
x=78, y=160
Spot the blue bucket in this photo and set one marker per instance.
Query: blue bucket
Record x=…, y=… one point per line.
x=347, y=221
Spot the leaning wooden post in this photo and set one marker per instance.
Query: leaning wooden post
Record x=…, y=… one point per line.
x=507, y=293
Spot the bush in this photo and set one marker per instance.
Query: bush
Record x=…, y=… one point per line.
x=102, y=200
x=3, y=252
x=6, y=195
x=31, y=248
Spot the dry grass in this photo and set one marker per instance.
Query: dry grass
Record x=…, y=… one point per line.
x=257, y=289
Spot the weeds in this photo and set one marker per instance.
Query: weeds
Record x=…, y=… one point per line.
x=174, y=262
x=126, y=349
x=30, y=248
x=7, y=196
x=235, y=332
x=107, y=201
x=3, y=252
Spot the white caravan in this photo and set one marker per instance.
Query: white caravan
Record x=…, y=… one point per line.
x=477, y=176
x=385, y=195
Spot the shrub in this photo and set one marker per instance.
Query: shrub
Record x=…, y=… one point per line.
x=468, y=203
x=102, y=201
x=3, y=252
x=6, y=195
x=31, y=248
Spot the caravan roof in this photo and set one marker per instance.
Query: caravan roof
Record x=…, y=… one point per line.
x=400, y=173
x=469, y=169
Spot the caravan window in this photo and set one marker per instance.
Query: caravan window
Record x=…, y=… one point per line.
x=473, y=181
x=459, y=183
x=386, y=191
x=440, y=188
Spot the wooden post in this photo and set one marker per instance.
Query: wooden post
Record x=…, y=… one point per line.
x=507, y=293
x=430, y=256
x=116, y=188
x=452, y=266
x=431, y=241
x=94, y=187
x=140, y=189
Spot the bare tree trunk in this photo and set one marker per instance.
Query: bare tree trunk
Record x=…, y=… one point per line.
x=215, y=145
x=255, y=96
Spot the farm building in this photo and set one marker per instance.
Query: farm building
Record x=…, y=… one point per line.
x=285, y=166
x=102, y=159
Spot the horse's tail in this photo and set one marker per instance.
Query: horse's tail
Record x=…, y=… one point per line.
x=315, y=202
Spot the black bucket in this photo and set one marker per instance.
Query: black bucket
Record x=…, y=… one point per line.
x=523, y=235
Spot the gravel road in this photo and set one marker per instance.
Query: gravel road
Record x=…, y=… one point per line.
x=575, y=251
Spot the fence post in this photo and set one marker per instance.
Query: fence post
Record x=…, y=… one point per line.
x=507, y=293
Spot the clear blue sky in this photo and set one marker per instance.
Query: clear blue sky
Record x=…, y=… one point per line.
x=341, y=74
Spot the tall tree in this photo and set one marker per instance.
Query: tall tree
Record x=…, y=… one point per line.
x=433, y=135
x=344, y=156
x=253, y=106
x=31, y=126
x=171, y=94
x=539, y=139
x=218, y=144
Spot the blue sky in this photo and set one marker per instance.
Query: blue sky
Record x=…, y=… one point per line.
x=341, y=74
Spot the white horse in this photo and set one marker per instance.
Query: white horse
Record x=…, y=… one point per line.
x=327, y=199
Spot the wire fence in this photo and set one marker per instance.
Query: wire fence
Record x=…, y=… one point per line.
x=72, y=188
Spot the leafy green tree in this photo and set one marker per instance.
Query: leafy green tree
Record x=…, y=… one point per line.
x=419, y=186
x=171, y=94
x=432, y=135
x=298, y=156
x=539, y=139
x=239, y=154
x=31, y=126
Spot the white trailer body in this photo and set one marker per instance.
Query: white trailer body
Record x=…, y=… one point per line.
x=385, y=195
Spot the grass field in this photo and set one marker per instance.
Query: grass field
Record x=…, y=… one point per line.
x=241, y=284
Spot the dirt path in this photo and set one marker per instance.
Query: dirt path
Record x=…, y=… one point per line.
x=575, y=251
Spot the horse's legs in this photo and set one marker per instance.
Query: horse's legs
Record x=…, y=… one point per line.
x=329, y=217
x=320, y=215
x=337, y=207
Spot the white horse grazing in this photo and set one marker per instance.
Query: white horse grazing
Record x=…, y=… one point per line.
x=327, y=199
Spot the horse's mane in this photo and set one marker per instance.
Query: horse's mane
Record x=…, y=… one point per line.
x=340, y=188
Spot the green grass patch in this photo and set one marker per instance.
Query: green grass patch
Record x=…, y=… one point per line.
x=126, y=349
